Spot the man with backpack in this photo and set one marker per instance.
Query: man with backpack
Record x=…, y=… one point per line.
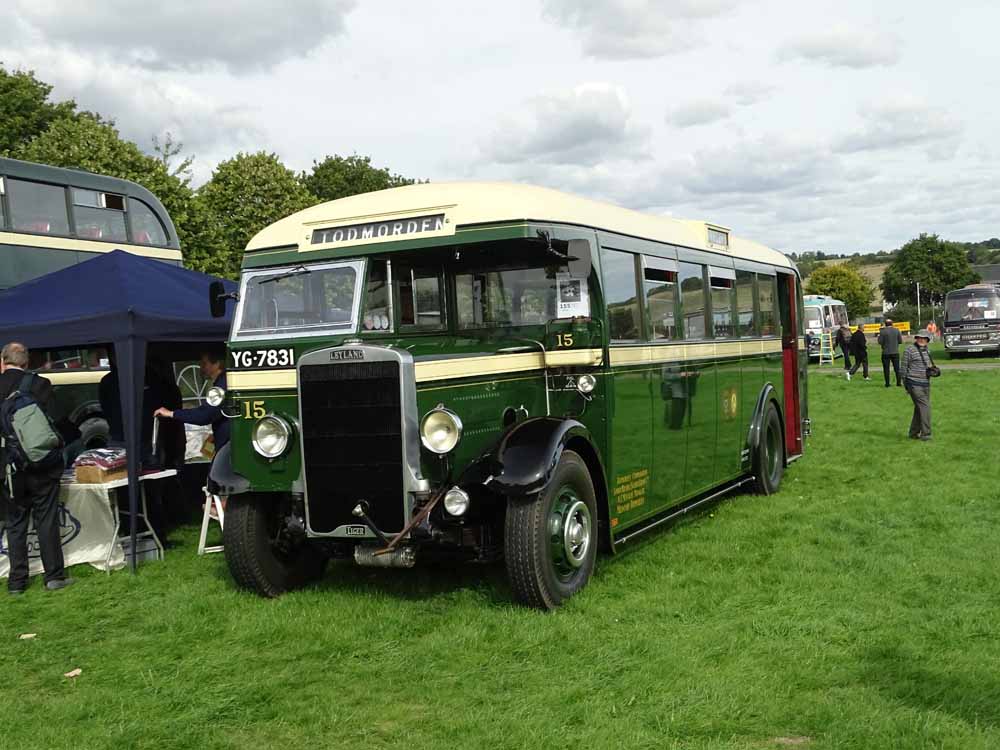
x=32, y=465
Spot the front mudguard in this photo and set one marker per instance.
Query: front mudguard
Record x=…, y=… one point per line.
x=523, y=461
x=225, y=479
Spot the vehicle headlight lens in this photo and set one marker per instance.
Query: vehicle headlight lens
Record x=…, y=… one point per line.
x=215, y=396
x=440, y=430
x=456, y=501
x=271, y=436
x=586, y=384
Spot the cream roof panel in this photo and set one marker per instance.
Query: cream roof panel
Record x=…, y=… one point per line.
x=468, y=203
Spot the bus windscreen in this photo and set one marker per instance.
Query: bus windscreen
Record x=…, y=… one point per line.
x=983, y=305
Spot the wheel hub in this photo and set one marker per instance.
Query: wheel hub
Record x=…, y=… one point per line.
x=571, y=532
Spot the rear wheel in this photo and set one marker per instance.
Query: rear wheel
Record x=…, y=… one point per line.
x=769, y=458
x=262, y=556
x=550, y=540
x=94, y=433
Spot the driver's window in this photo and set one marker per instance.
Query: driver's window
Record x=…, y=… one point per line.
x=420, y=296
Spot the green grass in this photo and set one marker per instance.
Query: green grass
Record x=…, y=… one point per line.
x=857, y=608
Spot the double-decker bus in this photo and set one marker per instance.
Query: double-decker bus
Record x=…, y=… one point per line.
x=491, y=371
x=51, y=218
x=972, y=319
x=824, y=314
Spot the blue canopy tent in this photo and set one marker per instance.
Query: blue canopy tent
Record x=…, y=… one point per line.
x=120, y=298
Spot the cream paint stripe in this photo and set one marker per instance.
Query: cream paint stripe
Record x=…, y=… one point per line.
x=69, y=244
x=638, y=355
x=73, y=377
x=261, y=380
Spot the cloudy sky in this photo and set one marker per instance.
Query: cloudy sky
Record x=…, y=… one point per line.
x=834, y=125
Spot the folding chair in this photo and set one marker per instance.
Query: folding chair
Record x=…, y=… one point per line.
x=211, y=501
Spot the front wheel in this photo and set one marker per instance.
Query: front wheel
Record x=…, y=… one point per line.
x=262, y=557
x=769, y=458
x=550, y=540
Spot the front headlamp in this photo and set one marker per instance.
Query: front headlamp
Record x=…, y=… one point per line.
x=271, y=436
x=440, y=430
x=215, y=396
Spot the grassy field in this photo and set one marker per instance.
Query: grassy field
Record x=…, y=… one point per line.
x=857, y=608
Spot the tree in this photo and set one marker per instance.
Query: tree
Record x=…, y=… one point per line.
x=938, y=265
x=244, y=195
x=25, y=109
x=340, y=176
x=844, y=283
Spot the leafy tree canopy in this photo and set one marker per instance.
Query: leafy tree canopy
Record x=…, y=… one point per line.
x=341, y=176
x=938, y=265
x=844, y=283
x=247, y=193
x=25, y=109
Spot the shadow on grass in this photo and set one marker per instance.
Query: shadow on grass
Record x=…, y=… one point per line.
x=973, y=696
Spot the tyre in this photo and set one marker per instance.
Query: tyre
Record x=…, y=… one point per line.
x=769, y=458
x=550, y=540
x=94, y=433
x=261, y=556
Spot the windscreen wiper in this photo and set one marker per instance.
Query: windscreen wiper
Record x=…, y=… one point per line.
x=287, y=275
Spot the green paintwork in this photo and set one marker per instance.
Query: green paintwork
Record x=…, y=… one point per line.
x=664, y=433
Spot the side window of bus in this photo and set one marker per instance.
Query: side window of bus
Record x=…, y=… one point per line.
x=620, y=295
x=722, y=282
x=660, y=289
x=147, y=229
x=99, y=216
x=3, y=216
x=744, y=304
x=765, y=298
x=36, y=207
x=692, y=279
x=421, y=301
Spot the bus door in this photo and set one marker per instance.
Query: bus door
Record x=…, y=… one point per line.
x=789, y=310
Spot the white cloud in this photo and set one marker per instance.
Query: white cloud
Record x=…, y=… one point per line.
x=844, y=47
x=902, y=122
x=188, y=34
x=748, y=93
x=625, y=29
x=699, y=112
x=586, y=125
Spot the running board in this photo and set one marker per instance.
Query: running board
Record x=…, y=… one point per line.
x=672, y=514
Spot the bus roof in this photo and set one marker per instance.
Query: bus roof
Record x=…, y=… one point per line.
x=974, y=288
x=467, y=204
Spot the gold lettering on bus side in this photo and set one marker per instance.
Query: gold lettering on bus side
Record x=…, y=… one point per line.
x=630, y=490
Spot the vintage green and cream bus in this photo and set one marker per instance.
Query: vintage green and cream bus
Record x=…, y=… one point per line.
x=487, y=371
x=52, y=218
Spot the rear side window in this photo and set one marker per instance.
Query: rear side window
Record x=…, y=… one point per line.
x=723, y=282
x=620, y=294
x=660, y=289
x=37, y=207
x=147, y=229
x=744, y=304
x=765, y=298
x=692, y=279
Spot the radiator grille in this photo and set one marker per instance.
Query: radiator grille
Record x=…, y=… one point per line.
x=351, y=441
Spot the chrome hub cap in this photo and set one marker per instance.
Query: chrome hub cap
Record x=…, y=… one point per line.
x=571, y=532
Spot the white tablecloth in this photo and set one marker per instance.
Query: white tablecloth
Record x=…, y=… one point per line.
x=88, y=525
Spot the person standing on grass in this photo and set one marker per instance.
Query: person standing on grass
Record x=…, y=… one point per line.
x=859, y=348
x=843, y=342
x=916, y=366
x=35, y=492
x=889, y=338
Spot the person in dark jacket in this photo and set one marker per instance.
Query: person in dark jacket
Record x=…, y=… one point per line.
x=916, y=361
x=213, y=368
x=37, y=495
x=889, y=338
x=843, y=342
x=859, y=348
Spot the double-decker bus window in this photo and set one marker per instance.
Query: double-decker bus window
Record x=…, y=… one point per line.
x=692, y=280
x=722, y=281
x=660, y=289
x=620, y=294
x=744, y=304
x=96, y=216
x=147, y=229
x=37, y=207
x=421, y=303
x=765, y=299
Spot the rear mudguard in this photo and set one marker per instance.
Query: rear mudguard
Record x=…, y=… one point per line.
x=522, y=462
x=228, y=481
x=767, y=393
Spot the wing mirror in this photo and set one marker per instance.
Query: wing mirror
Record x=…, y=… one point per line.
x=217, y=296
